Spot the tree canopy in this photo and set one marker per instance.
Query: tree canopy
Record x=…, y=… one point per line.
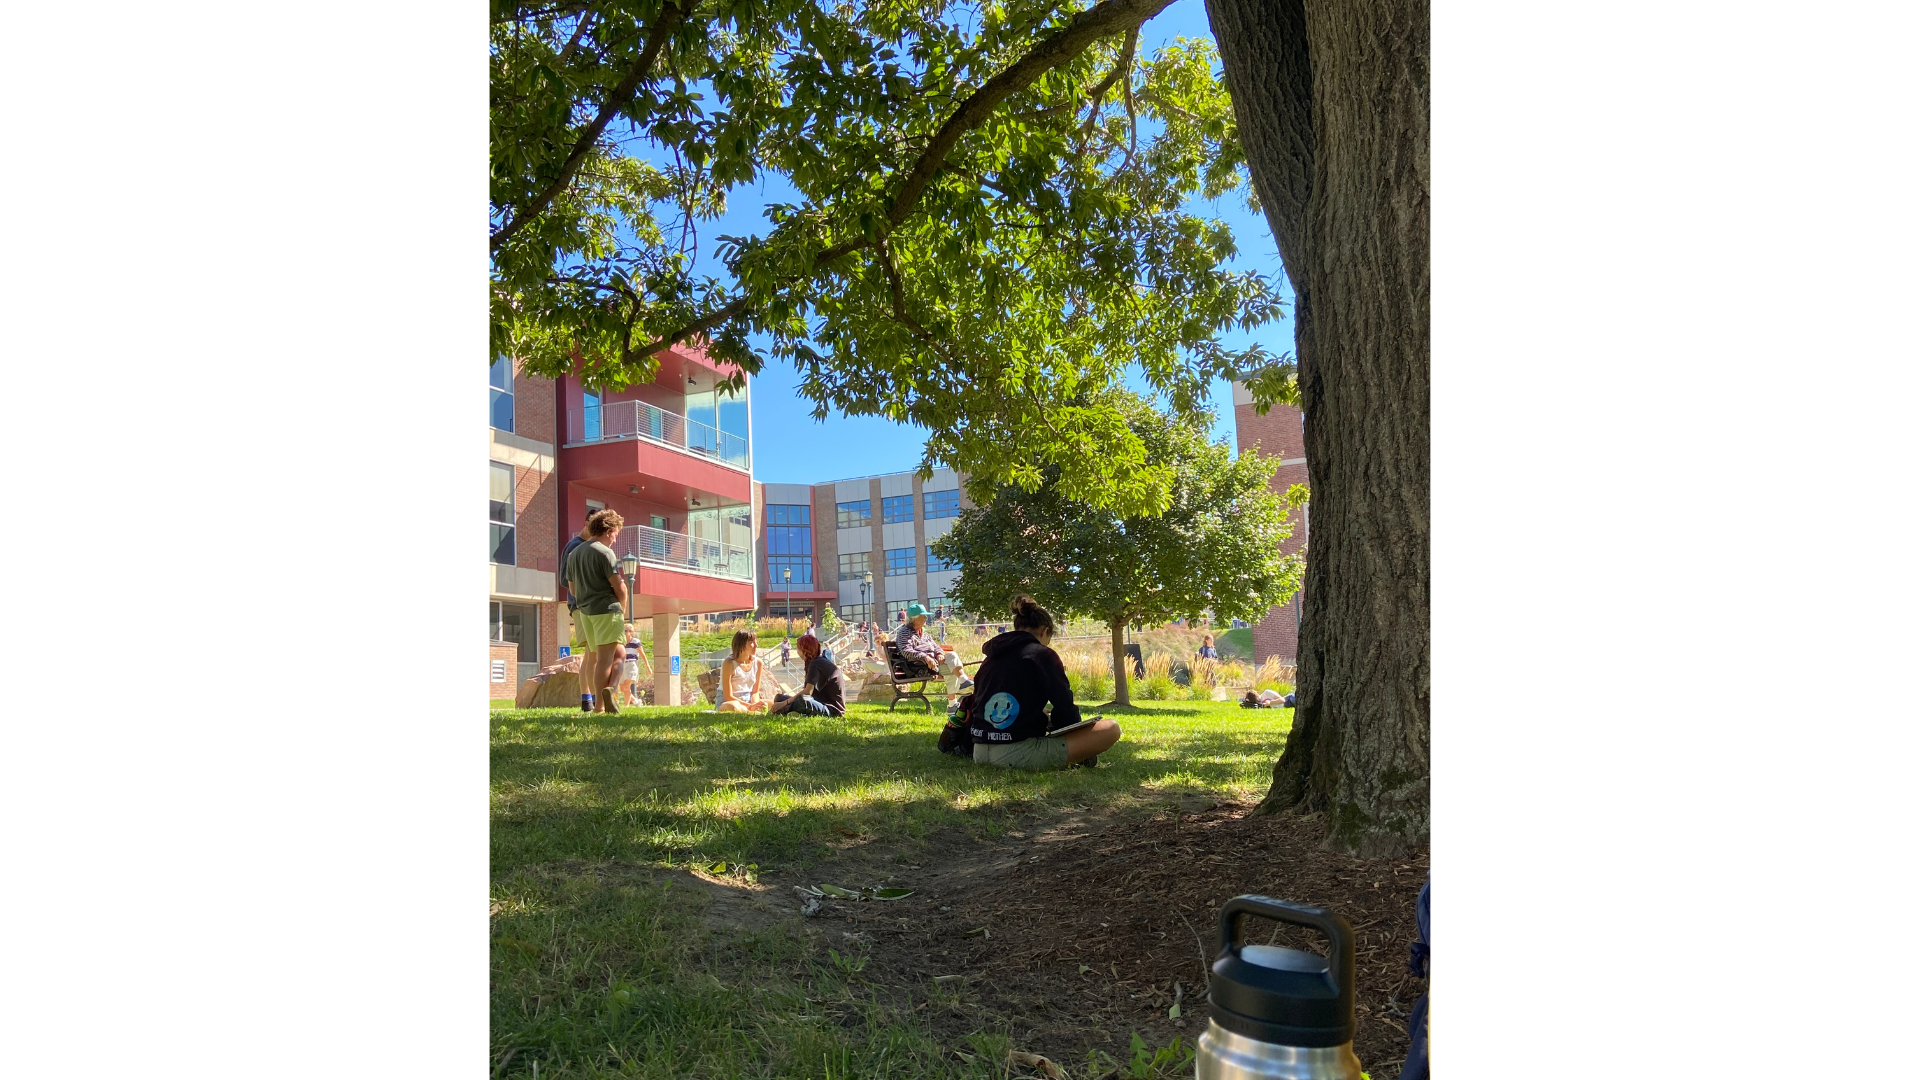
x=1215, y=549
x=992, y=226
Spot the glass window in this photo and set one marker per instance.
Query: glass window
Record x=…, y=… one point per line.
x=852, y=613
x=789, y=540
x=942, y=504
x=935, y=562
x=517, y=624
x=801, y=567
x=590, y=414
x=856, y=515
x=789, y=514
x=500, y=382
x=896, y=508
x=899, y=561
x=500, y=512
x=854, y=565
x=895, y=608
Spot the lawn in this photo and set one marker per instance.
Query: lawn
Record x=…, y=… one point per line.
x=602, y=962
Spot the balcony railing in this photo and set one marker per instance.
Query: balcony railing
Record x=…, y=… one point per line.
x=678, y=551
x=639, y=420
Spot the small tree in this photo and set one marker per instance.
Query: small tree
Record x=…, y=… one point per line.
x=830, y=622
x=1216, y=547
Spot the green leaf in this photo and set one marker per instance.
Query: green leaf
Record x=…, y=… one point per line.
x=892, y=894
x=835, y=890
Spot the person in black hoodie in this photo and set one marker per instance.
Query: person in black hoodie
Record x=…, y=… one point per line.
x=1016, y=682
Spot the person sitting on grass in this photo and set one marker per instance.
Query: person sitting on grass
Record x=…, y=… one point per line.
x=743, y=678
x=825, y=691
x=1007, y=714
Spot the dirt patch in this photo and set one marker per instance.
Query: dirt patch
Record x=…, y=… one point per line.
x=1098, y=923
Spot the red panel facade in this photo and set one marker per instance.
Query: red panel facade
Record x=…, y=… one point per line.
x=1277, y=435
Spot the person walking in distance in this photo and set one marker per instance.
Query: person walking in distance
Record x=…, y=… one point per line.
x=600, y=595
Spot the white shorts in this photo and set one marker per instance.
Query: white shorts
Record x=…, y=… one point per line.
x=629, y=671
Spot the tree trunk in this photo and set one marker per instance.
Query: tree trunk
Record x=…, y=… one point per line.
x=1119, y=625
x=1331, y=101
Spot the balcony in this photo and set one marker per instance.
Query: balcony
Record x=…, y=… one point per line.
x=686, y=554
x=618, y=421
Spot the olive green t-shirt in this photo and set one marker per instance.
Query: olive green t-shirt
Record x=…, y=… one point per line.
x=587, y=571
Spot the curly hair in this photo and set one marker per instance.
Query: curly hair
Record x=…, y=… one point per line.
x=603, y=522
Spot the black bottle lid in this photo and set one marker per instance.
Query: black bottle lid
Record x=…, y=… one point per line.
x=1288, y=997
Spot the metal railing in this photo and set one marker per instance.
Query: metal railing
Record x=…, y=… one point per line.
x=616, y=420
x=678, y=551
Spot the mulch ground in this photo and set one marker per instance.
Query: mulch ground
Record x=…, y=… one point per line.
x=1098, y=926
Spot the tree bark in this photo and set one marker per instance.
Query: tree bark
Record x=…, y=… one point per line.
x=1331, y=101
x=1119, y=625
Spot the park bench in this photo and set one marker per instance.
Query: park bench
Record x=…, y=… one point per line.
x=902, y=674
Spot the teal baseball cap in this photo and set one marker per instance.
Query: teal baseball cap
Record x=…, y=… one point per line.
x=915, y=610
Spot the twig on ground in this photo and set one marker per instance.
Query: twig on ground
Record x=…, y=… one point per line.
x=1206, y=973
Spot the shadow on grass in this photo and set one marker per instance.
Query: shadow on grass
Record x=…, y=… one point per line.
x=677, y=786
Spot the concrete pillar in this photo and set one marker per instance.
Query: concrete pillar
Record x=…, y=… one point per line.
x=666, y=659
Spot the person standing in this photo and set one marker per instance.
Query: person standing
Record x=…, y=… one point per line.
x=600, y=595
x=573, y=625
x=1207, y=651
x=630, y=668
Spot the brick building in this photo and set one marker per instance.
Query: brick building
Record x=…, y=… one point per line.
x=824, y=542
x=1280, y=435
x=673, y=456
x=523, y=522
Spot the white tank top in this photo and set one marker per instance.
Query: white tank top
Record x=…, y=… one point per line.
x=745, y=678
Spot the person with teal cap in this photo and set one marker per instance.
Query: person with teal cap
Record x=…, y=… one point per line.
x=918, y=647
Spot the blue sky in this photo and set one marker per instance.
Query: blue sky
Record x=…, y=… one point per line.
x=781, y=418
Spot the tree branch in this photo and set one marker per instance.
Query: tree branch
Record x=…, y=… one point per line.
x=1121, y=66
x=579, y=31
x=1102, y=20
x=617, y=99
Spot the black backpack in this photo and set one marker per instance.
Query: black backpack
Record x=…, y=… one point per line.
x=955, y=738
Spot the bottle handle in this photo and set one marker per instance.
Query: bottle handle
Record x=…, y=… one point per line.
x=1334, y=927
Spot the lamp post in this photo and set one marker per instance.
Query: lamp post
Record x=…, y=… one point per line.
x=786, y=578
x=629, y=567
x=866, y=601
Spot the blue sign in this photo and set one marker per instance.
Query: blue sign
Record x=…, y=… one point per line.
x=675, y=668
x=566, y=651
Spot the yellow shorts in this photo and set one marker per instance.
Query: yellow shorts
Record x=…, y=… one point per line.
x=596, y=630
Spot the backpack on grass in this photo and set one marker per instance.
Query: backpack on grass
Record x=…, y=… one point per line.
x=955, y=738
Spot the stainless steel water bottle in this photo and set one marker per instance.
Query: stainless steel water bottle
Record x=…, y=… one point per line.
x=1280, y=1014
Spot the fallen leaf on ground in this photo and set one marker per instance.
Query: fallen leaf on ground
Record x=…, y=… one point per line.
x=1035, y=1061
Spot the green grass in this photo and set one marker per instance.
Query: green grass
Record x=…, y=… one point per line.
x=1235, y=644
x=603, y=967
